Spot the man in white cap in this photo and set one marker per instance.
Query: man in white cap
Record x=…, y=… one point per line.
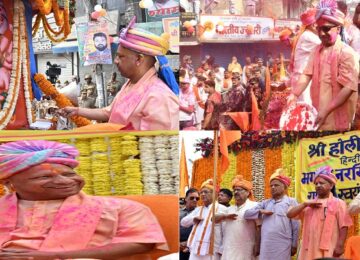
x=187, y=104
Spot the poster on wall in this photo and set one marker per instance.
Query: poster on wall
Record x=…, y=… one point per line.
x=235, y=28
x=81, y=30
x=171, y=26
x=162, y=9
x=188, y=27
x=340, y=152
x=97, y=44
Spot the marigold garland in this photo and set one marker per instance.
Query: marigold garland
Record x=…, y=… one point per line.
x=230, y=173
x=61, y=100
x=272, y=162
x=15, y=78
x=45, y=6
x=203, y=169
x=243, y=164
x=2, y=190
x=288, y=164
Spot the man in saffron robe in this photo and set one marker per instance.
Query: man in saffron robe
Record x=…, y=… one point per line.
x=333, y=69
x=48, y=217
x=240, y=235
x=145, y=102
x=279, y=234
x=202, y=245
x=325, y=219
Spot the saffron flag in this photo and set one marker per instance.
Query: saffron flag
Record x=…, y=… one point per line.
x=184, y=177
x=267, y=83
x=241, y=119
x=226, y=139
x=255, y=113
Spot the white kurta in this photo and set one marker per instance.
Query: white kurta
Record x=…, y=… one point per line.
x=239, y=234
x=305, y=46
x=199, y=239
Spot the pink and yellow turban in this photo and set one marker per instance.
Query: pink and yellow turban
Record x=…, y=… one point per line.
x=239, y=181
x=325, y=172
x=208, y=184
x=308, y=17
x=327, y=10
x=21, y=155
x=279, y=175
x=142, y=41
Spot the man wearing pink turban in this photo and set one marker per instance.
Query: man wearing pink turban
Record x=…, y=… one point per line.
x=48, y=217
x=333, y=70
x=325, y=219
x=279, y=234
x=146, y=101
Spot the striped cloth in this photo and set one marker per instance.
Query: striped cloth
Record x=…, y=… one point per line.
x=21, y=155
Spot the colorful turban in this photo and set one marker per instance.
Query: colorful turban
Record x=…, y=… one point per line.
x=327, y=10
x=325, y=172
x=308, y=17
x=239, y=181
x=21, y=155
x=208, y=184
x=142, y=41
x=285, y=34
x=279, y=175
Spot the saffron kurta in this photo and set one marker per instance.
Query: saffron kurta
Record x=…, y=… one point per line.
x=278, y=232
x=199, y=239
x=321, y=228
x=78, y=222
x=147, y=105
x=333, y=68
x=239, y=234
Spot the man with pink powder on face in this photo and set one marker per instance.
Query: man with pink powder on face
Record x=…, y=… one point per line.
x=48, y=217
x=333, y=69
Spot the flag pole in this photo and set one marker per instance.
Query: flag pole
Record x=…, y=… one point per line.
x=216, y=156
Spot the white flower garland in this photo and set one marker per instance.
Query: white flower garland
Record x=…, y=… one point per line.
x=19, y=67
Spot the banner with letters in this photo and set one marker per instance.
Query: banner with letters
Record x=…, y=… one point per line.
x=235, y=28
x=341, y=152
x=162, y=9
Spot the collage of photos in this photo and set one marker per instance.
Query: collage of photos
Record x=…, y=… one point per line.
x=179, y=129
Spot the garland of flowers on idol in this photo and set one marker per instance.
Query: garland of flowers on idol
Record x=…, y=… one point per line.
x=25, y=68
x=258, y=173
x=13, y=92
x=61, y=100
x=62, y=20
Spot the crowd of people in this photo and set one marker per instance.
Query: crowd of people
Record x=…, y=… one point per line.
x=210, y=92
x=328, y=35
x=268, y=229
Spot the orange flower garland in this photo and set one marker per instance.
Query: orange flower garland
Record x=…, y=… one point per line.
x=45, y=6
x=2, y=190
x=203, y=169
x=58, y=14
x=272, y=162
x=243, y=164
x=61, y=100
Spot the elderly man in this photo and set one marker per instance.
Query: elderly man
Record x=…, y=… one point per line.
x=325, y=219
x=201, y=244
x=145, y=102
x=48, y=217
x=333, y=69
x=279, y=234
x=187, y=104
x=240, y=235
x=305, y=44
x=191, y=199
